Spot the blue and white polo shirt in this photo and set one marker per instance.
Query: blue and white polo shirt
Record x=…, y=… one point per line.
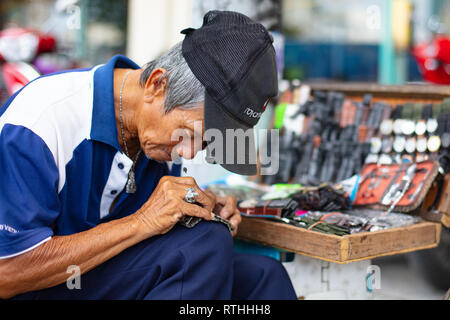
x=61, y=165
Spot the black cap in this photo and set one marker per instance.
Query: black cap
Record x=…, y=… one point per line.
x=233, y=57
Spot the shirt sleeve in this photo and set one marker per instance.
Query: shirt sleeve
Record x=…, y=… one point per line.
x=29, y=203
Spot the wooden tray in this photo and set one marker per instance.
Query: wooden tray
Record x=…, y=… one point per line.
x=344, y=249
x=389, y=93
x=367, y=245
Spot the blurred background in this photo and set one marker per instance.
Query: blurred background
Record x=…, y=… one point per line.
x=338, y=40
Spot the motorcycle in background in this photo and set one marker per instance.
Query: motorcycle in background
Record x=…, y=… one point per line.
x=433, y=57
x=25, y=54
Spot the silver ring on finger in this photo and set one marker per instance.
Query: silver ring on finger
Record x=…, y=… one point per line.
x=191, y=195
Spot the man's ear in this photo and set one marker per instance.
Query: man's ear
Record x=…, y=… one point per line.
x=155, y=86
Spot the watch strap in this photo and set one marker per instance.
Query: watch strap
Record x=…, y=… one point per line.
x=387, y=111
x=417, y=111
x=442, y=122
x=436, y=110
x=427, y=111
x=407, y=112
x=446, y=105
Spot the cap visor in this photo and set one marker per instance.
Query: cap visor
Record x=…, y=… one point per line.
x=233, y=143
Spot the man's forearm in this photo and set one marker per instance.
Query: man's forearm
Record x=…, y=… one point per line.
x=46, y=265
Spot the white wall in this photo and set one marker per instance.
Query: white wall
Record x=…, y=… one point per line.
x=154, y=26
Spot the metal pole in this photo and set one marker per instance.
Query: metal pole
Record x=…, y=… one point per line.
x=386, y=54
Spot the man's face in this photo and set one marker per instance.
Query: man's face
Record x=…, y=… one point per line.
x=164, y=137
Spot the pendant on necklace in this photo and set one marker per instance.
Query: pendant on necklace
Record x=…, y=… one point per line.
x=131, y=183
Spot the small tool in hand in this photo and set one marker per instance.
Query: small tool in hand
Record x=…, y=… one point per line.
x=190, y=222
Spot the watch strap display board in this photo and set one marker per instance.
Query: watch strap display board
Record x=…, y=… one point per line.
x=404, y=184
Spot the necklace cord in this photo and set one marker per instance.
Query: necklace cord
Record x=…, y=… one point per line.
x=120, y=115
x=131, y=183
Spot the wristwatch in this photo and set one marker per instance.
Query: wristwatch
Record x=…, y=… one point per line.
x=398, y=126
x=386, y=127
x=385, y=159
x=398, y=121
x=410, y=145
x=374, y=120
x=421, y=127
x=386, y=145
x=406, y=116
x=446, y=105
x=375, y=145
x=432, y=121
x=432, y=125
x=408, y=125
x=419, y=123
x=434, y=143
x=348, y=113
x=399, y=144
x=421, y=144
x=387, y=123
x=445, y=140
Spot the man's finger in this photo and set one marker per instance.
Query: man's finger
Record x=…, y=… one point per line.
x=236, y=218
x=194, y=210
x=229, y=206
x=184, y=180
x=211, y=195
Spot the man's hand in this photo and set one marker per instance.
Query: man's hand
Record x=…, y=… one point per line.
x=167, y=205
x=226, y=207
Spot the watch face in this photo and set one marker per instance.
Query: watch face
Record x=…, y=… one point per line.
x=421, y=128
x=408, y=127
x=371, y=158
x=399, y=144
x=386, y=127
x=421, y=144
x=410, y=145
x=385, y=159
x=386, y=145
x=445, y=140
x=432, y=125
x=398, y=125
x=434, y=142
x=375, y=145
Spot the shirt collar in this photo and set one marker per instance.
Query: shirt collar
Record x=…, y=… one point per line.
x=104, y=126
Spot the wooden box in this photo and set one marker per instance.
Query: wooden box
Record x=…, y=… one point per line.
x=366, y=245
x=344, y=249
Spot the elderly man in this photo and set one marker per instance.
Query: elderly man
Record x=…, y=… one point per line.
x=85, y=185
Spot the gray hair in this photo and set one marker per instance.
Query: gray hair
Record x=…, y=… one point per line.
x=183, y=88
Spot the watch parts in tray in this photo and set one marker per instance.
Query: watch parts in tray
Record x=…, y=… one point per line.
x=324, y=209
x=352, y=221
x=324, y=197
